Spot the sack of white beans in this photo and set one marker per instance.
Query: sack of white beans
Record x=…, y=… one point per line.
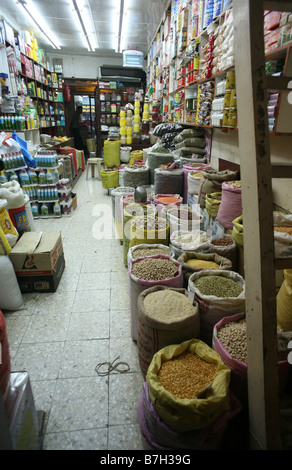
x=149, y=272
x=219, y=294
x=165, y=316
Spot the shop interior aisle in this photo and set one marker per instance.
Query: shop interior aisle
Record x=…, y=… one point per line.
x=60, y=338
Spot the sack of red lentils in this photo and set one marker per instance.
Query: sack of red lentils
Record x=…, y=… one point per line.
x=188, y=385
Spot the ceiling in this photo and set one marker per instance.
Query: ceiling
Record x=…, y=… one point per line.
x=141, y=22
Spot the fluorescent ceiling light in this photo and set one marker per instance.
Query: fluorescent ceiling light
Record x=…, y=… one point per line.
x=39, y=22
x=84, y=20
x=120, y=13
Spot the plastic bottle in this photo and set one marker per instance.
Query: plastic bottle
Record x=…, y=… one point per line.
x=13, y=176
x=42, y=176
x=50, y=178
x=34, y=209
x=44, y=209
x=24, y=178
x=33, y=176
x=57, y=208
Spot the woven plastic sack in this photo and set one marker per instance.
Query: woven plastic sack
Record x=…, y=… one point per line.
x=212, y=204
x=213, y=308
x=192, y=142
x=109, y=179
x=112, y=153
x=231, y=205
x=10, y=294
x=155, y=160
x=237, y=231
x=167, y=181
x=158, y=247
x=228, y=251
x=284, y=302
x=188, y=270
x=139, y=285
x=5, y=363
x=154, y=333
x=185, y=415
x=147, y=235
x=136, y=176
x=198, y=243
x=212, y=181
x=282, y=240
x=192, y=167
x=130, y=211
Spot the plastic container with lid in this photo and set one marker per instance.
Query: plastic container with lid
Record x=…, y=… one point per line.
x=129, y=131
x=122, y=113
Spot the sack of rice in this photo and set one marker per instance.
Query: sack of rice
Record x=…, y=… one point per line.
x=165, y=316
x=177, y=378
x=219, y=294
x=149, y=272
x=185, y=241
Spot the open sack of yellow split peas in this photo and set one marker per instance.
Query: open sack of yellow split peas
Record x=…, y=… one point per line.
x=188, y=385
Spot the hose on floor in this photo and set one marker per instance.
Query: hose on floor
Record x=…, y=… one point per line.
x=111, y=367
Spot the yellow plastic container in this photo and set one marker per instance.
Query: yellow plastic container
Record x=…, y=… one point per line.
x=129, y=131
x=129, y=140
x=123, y=122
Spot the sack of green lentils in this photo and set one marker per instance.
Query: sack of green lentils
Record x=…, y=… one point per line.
x=194, y=262
x=147, y=249
x=219, y=294
x=149, y=272
x=165, y=316
x=177, y=377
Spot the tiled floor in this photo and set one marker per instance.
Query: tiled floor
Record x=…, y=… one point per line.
x=59, y=338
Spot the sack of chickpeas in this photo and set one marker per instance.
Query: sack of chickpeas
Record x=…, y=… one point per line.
x=219, y=294
x=165, y=316
x=188, y=385
x=230, y=342
x=147, y=249
x=156, y=435
x=149, y=272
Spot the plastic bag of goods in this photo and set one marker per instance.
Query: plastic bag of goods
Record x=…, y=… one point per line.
x=219, y=294
x=284, y=302
x=224, y=245
x=231, y=205
x=125, y=154
x=237, y=231
x=112, y=153
x=150, y=272
x=282, y=235
x=7, y=227
x=129, y=212
x=189, y=133
x=149, y=229
x=10, y=294
x=194, y=262
x=165, y=316
x=109, y=178
x=212, y=204
x=182, y=218
x=185, y=241
x=230, y=342
x=147, y=249
x=5, y=363
x=16, y=205
x=197, y=167
x=156, y=435
x=136, y=175
x=212, y=181
x=168, y=181
x=158, y=156
x=177, y=378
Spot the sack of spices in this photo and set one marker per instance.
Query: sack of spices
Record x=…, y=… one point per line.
x=212, y=181
x=149, y=272
x=219, y=294
x=177, y=378
x=165, y=316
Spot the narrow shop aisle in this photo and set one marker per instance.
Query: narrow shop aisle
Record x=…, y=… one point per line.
x=60, y=338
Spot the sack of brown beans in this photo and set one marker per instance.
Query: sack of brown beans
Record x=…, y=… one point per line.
x=147, y=249
x=188, y=385
x=193, y=262
x=231, y=205
x=184, y=241
x=165, y=316
x=149, y=272
x=282, y=235
x=230, y=342
x=224, y=245
x=156, y=435
x=212, y=181
x=219, y=294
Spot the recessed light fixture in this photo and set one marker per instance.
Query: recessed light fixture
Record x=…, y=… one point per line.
x=33, y=14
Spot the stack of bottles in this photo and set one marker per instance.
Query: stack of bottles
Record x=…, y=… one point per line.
x=123, y=123
x=136, y=123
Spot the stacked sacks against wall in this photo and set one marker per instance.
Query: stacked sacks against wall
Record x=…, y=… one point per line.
x=212, y=181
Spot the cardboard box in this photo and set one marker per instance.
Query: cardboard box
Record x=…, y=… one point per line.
x=38, y=260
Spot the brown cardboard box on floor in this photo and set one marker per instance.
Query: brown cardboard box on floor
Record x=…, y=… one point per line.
x=38, y=260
